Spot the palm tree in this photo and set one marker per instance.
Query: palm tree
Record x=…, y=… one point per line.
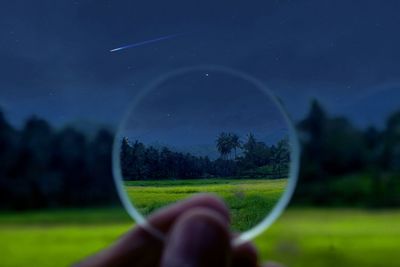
x=223, y=144
x=234, y=142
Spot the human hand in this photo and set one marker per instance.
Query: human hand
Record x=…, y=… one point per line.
x=197, y=232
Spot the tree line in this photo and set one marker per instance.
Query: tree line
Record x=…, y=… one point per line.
x=340, y=164
x=256, y=160
x=42, y=167
x=343, y=165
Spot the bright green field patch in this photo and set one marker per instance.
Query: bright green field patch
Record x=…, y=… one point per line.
x=334, y=238
x=64, y=217
x=249, y=200
x=300, y=238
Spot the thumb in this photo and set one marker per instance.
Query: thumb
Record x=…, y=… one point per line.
x=199, y=238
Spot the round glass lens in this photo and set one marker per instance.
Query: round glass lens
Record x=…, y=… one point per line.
x=207, y=130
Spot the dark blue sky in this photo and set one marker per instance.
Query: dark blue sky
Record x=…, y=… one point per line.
x=55, y=60
x=191, y=109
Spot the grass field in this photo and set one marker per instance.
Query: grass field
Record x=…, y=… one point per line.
x=300, y=238
x=248, y=200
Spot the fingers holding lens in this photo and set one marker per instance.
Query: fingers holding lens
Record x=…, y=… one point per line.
x=199, y=238
x=222, y=133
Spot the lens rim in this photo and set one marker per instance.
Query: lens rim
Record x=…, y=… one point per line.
x=294, y=153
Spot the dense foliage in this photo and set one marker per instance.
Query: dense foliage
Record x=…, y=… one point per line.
x=256, y=160
x=41, y=167
x=344, y=165
x=341, y=164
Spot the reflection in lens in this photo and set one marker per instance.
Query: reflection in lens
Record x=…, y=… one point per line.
x=206, y=130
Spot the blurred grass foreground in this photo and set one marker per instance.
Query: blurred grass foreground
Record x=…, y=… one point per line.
x=301, y=237
x=58, y=203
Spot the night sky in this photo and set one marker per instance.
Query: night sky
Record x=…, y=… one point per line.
x=55, y=58
x=187, y=112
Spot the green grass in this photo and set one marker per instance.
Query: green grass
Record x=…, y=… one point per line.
x=300, y=238
x=248, y=200
x=334, y=238
x=64, y=217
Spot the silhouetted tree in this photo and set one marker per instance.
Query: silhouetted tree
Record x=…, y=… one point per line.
x=224, y=144
x=69, y=159
x=312, y=133
x=9, y=148
x=391, y=148
x=234, y=143
x=101, y=185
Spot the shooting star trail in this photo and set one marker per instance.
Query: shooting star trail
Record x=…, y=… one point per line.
x=146, y=42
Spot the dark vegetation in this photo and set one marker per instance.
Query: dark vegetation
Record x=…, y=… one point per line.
x=255, y=160
x=341, y=165
x=346, y=166
x=41, y=167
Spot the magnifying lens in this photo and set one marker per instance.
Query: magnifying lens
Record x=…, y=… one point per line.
x=207, y=129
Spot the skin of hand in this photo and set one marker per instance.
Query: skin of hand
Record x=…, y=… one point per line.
x=197, y=235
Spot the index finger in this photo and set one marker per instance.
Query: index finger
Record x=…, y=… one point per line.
x=163, y=219
x=139, y=247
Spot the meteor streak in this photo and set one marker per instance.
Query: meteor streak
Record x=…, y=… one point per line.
x=145, y=42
